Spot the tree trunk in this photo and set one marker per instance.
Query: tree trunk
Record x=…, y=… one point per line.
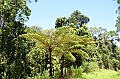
x=50, y=63
x=62, y=65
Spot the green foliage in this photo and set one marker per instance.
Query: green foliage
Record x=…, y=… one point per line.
x=98, y=74
x=33, y=29
x=45, y=75
x=118, y=1
x=118, y=18
x=106, y=49
x=59, y=43
x=37, y=59
x=66, y=51
x=78, y=19
x=101, y=74
x=115, y=64
x=13, y=49
x=62, y=21
x=89, y=67
x=78, y=72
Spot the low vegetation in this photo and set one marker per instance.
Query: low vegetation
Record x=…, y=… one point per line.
x=101, y=74
x=98, y=74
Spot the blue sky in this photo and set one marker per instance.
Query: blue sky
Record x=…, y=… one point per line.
x=101, y=12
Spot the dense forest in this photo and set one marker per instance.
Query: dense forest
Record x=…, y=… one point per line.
x=65, y=52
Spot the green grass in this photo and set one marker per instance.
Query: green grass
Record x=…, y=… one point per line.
x=101, y=74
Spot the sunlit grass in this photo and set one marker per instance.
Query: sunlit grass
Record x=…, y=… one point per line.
x=101, y=74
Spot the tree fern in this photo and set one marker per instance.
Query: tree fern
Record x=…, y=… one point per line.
x=59, y=42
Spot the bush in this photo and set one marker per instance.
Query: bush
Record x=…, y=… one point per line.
x=73, y=73
x=78, y=72
x=45, y=75
x=89, y=67
x=115, y=64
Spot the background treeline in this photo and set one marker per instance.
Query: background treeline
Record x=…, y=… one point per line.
x=66, y=51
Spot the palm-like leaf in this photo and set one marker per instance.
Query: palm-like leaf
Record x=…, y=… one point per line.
x=62, y=41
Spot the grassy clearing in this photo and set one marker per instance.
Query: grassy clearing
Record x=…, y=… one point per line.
x=101, y=74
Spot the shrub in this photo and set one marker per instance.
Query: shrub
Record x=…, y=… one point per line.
x=73, y=73
x=115, y=64
x=89, y=67
x=78, y=72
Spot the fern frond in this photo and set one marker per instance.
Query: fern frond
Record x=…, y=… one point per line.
x=37, y=37
x=70, y=57
x=79, y=52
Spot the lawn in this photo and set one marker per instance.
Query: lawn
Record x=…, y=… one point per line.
x=101, y=74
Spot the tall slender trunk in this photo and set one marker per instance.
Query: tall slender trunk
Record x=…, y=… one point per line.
x=50, y=63
x=62, y=65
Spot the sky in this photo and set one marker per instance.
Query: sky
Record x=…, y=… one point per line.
x=101, y=12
